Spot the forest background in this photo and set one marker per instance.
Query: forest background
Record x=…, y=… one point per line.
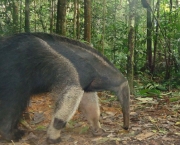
x=141, y=37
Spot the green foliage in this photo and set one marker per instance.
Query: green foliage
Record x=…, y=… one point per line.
x=115, y=42
x=40, y=127
x=6, y=25
x=148, y=93
x=174, y=82
x=84, y=129
x=71, y=123
x=146, y=86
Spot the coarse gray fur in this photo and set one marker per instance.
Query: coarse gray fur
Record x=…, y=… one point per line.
x=95, y=71
x=84, y=70
x=29, y=66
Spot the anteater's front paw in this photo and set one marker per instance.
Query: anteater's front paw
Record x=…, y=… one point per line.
x=18, y=134
x=53, y=141
x=98, y=132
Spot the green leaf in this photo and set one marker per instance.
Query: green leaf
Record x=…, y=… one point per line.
x=84, y=129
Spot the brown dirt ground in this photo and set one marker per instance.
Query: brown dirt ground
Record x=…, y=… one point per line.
x=151, y=123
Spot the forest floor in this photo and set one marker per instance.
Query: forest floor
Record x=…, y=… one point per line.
x=153, y=121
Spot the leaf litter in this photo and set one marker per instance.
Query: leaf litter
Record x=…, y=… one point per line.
x=152, y=122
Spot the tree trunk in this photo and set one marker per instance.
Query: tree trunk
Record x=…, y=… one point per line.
x=87, y=20
x=35, y=22
x=168, y=50
x=114, y=33
x=131, y=41
x=20, y=12
x=146, y=4
x=15, y=16
x=78, y=21
x=177, y=3
x=51, y=14
x=149, y=40
x=156, y=37
x=171, y=5
x=27, y=17
x=104, y=22
x=75, y=19
x=41, y=19
x=61, y=17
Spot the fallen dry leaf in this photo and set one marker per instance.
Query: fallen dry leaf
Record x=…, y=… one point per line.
x=143, y=136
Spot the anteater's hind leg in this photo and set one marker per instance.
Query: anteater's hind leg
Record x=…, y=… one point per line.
x=66, y=105
x=90, y=107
